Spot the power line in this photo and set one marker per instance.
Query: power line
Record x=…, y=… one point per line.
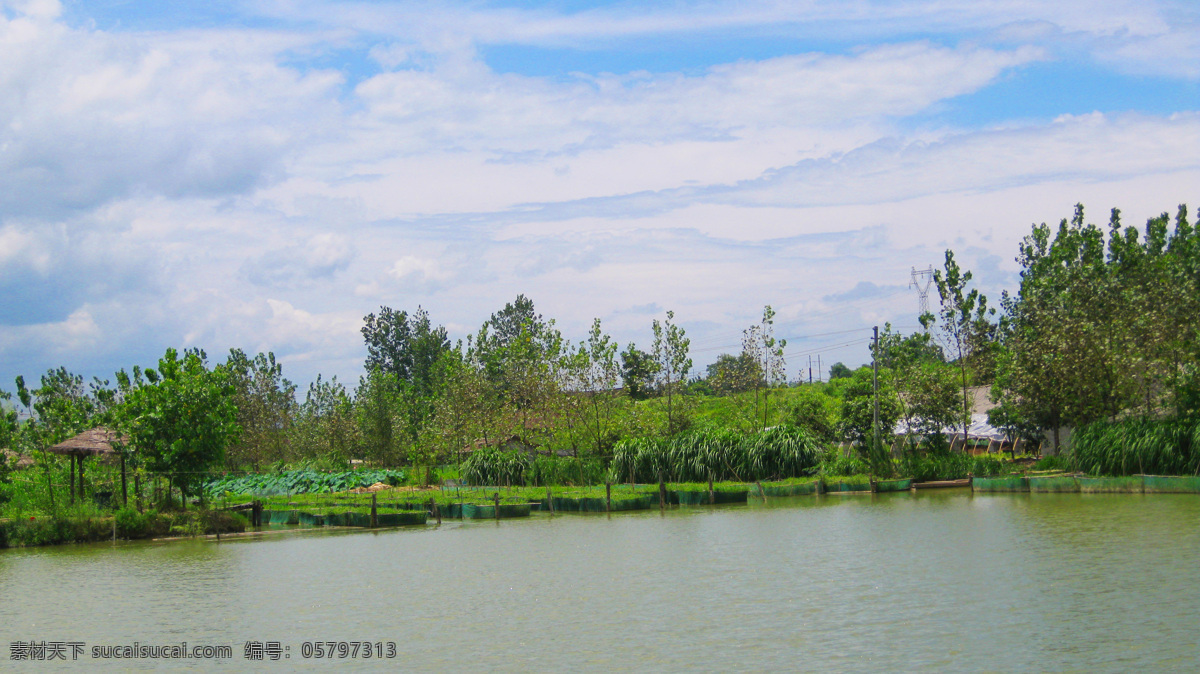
x=808, y=317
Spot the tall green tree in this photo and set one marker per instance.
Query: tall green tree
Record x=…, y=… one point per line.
x=325, y=426
x=730, y=374
x=759, y=344
x=962, y=315
x=857, y=408
x=638, y=372
x=266, y=407
x=182, y=418
x=671, y=354
x=597, y=374
x=1104, y=324
x=404, y=346
x=927, y=389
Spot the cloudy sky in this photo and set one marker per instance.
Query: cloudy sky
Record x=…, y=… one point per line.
x=262, y=174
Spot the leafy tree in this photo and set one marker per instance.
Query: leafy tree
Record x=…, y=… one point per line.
x=857, y=409
x=840, y=371
x=734, y=374
x=403, y=346
x=759, y=344
x=325, y=425
x=638, y=372
x=516, y=316
x=266, y=405
x=671, y=354
x=815, y=411
x=65, y=406
x=596, y=374
x=963, y=314
x=381, y=403
x=1103, y=324
x=926, y=387
x=182, y=419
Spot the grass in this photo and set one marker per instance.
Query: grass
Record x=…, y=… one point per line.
x=130, y=524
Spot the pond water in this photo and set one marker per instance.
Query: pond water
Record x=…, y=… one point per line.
x=911, y=581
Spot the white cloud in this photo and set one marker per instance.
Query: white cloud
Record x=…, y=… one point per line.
x=215, y=188
x=88, y=116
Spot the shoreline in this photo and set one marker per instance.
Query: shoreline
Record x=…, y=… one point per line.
x=331, y=516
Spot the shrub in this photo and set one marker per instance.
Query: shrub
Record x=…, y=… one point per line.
x=716, y=454
x=493, y=466
x=1139, y=445
x=1051, y=462
x=132, y=524
x=836, y=463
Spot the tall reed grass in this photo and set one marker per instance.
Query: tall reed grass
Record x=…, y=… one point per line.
x=1138, y=445
x=716, y=454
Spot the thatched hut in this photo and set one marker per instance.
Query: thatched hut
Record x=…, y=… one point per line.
x=95, y=442
x=17, y=461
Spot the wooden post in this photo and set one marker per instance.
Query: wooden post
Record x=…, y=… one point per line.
x=115, y=530
x=72, y=478
x=124, y=485
x=81, y=494
x=437, y=512
x=550, y=499
x=762, y=492
x=662, y=495
x=255, y=513
x=374, y=516
x=496, y=505
x=711, y=500
x=607, y=497
x=874, y=487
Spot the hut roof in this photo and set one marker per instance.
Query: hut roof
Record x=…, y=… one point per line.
x=90, y=443
x=18, y=461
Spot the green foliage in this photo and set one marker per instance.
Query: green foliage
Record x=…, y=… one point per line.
x=494, y=466
x=181, y=421
x=716, y=454
x=955, y=466
x=839, y=370
x=857, y=410
x=404, y=347
x=562, y=470
x=963, y=323
x=324, y=428
x=300, y=482
x=671, y=355
x=1104, y=322
x=1052, y=462
x=834, y=462
x=266, y=406
x=35, y=531
x=815, y=411
x=734, y=374
x=132, y=524
x=82, y=526
x=1137, y=445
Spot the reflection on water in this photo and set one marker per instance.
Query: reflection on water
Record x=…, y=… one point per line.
x=929, y=580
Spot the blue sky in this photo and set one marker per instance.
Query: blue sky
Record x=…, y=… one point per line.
x=263, y=174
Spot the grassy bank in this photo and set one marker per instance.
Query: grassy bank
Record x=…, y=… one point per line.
x=125, y=524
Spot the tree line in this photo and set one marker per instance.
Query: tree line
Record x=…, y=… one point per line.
x=1103, y=325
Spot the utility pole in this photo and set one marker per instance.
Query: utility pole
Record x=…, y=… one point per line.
x=820, y=372
x=921, y=280
x=810, y=369
x=875, y=390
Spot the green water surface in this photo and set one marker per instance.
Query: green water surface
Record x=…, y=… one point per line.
x=931, y=581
